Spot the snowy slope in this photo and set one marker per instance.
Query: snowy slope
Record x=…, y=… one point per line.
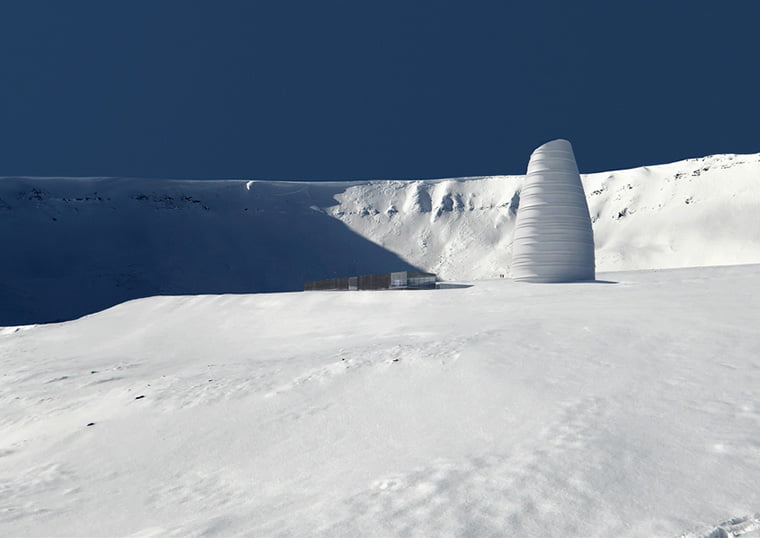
x=597, y=409
x=76, y=246
x=690, y=213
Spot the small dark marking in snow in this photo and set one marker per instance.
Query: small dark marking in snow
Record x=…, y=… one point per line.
x=58, y=379
x=140, y=397
x=108, y=380
x=90, y=424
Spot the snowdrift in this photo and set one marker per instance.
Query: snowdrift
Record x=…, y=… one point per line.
x=76, y=246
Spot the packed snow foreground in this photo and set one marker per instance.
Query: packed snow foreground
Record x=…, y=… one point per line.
x=628, y=406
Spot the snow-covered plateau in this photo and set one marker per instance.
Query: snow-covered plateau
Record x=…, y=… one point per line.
x=628, y=406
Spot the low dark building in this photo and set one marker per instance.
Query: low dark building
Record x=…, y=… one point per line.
x=402, y=280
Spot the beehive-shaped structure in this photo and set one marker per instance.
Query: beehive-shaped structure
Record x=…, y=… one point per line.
x=553, y=239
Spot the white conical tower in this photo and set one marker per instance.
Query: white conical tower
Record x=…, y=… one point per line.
x=553, y=239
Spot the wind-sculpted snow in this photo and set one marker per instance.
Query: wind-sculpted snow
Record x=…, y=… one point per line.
x=76, y=246
x=620, y=409
x=746, y=526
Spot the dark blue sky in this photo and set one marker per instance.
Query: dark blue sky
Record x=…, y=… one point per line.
x=370, y=89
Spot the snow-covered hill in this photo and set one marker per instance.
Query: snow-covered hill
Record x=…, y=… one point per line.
x=76, y=246
x=502, y=409
x=690, y=213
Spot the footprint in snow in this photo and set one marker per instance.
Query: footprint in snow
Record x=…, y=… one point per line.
x=746, y=526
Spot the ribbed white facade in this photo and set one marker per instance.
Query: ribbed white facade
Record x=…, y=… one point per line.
x=553, y=239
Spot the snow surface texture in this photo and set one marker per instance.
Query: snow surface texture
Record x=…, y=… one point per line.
x=553, y=240
x=76, y=246
x=500, y=409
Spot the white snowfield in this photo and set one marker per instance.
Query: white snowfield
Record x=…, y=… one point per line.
x=629, y=406
x=75, y=246
x=510, y=409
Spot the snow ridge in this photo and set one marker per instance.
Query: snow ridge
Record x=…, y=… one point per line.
x=77, y=245
x=697, y=212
